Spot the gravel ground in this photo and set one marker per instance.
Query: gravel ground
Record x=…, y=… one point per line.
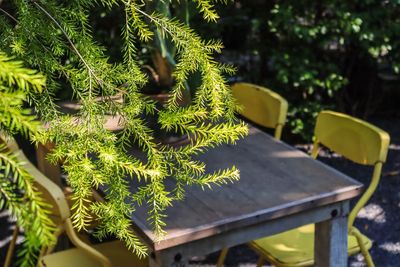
x=379, y=219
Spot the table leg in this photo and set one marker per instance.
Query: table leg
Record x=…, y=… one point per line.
x=330, y=244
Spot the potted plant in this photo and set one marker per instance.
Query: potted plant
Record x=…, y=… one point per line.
x=160, y=57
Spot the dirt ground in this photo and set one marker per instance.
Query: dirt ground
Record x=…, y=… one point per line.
x=380, y=219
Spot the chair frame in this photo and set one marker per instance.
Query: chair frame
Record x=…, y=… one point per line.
x=58, y=199
x=376, y=158
x=277, y=121
x=274, y=106
x=377, y=162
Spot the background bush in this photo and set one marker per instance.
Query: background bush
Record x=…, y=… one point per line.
x=318, y=54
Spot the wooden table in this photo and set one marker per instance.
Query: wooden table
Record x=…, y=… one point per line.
x=280, y=188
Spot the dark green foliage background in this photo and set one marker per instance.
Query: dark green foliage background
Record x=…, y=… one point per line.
x=342, y=55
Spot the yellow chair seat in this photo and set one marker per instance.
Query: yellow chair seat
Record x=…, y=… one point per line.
x=115, y=251
x=296, y=247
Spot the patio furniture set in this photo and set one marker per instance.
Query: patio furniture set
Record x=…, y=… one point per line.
x=290, y=208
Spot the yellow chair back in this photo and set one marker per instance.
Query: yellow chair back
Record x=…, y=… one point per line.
x=356, y=140
x=60, y=213
x=353, y=138
x=50, y=192
x=261, y=106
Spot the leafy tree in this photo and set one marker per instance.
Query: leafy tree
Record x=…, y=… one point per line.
x=330, y=52
x=55, y=37
x=320, y=54
x=17, y=188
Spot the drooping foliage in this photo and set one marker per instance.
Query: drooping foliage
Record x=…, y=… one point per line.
x=17, y=189
x=55, y=37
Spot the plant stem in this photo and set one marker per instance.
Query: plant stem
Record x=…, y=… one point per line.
x=8, y=15
x=75, y=49
x=66, y=36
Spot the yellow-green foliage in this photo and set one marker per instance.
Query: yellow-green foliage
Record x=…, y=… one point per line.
x=46, y=33
x=17, y=189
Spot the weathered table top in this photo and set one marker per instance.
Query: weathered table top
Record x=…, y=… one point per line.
x=276, y=180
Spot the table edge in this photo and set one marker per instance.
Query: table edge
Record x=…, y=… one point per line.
x=249, y=219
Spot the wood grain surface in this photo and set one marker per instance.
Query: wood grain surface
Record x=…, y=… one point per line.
x=276, y=181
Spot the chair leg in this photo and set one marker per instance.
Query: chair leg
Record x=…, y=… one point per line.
x=364, y=250
x=11, y=248
x=260, y=261
x=222, y=256
x=365, y=253
x=368, y=258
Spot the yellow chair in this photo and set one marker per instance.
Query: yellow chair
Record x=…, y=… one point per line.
x=261, y=106
x=264, y=107
x=106, y=254
x=11, y=146
x=357, y=141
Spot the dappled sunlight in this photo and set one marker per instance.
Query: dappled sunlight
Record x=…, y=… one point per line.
x=7, y=216
x=373, y=212
x=7, y=225
x=288, y=154
x=391, y=247
x=4, y=213
x=394, y=147
x=358, y=261
x=306, y=229
x=4, y=242
x=284, y=247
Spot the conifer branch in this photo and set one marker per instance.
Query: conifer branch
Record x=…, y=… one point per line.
x=94, y=156
x=12, y=73
x=35, y=2
x=92, y=73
